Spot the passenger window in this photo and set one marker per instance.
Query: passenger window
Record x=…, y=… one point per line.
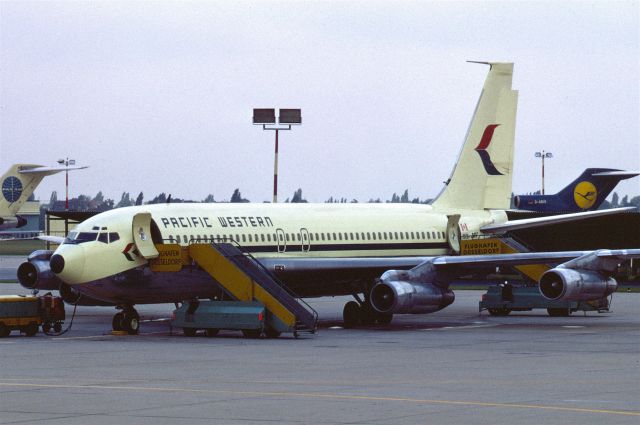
x=351, y=236
x=433, y=235
x=379, y=236
x=368, y=236
x=322, y=236
x=385, y=235
x=269, y=237
x=298, y=236
x=357, y=236
x=334, y=237
x=262, y=237
x=287, y=236
x=310, y=236
x=328, y=236
x=103, y=237
x=396, y=235
x=244, y=238
x=250, y=239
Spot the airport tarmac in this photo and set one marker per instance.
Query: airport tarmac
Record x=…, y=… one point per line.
x=451, y=367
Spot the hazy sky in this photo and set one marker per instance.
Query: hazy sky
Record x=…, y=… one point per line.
x=157, y=96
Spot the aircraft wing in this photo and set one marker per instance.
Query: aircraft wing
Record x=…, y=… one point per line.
x=53, y=239
x=544, y=221
x=444, y=262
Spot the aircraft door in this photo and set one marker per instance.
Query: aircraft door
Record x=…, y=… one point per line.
x=141, y=228
x=282, y=240
x=453, y=234
x=305, y=241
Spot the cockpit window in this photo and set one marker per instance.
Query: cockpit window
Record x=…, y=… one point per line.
x=113, y=236
x=104, y=238
x=82, y=237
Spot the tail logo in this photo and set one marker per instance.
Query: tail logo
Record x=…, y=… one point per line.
x=585, y=195
x=11, y=189
x=482, y=147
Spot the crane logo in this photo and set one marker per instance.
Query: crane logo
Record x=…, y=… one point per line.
x=585, y=195
x=482, y=147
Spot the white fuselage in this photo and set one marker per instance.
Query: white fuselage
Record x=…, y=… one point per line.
x=267, y=231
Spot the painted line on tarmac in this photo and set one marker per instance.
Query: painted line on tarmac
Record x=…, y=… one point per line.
x=327, y=396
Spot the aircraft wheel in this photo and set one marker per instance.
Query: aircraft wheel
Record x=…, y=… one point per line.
x=559, y=312
x=499, y=311
x=116, y=323
x=384, y=318
x=189, y=331
x=351, y=314
x=271, y=333
x=211, y=332
x=251, y=333
x=131, y=322
x=31, y=329
x=4, y=330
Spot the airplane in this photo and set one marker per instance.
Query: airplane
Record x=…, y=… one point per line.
x=586, y=193
x=18, y=183
x=319, y=249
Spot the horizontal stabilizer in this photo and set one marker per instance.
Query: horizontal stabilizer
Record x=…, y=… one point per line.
x=47, y=171
x=622, y=174
x=545, y=221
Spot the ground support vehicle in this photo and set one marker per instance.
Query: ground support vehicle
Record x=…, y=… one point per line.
x=500, y=300
x=26, y=313
x=212, y=316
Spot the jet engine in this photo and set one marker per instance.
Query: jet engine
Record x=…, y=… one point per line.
x=35, y=273
x=566, y=284
x=12, y=222
x=395, y=294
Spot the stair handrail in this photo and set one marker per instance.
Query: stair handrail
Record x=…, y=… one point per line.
x=279, y=283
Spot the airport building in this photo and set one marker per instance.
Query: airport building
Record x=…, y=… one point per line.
x=30, y=211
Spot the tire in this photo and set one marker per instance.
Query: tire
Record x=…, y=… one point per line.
x=4, y=330
x=351, y=315
x=211, y=332
x=31, y=329
x=499, y=311
x=384, y=318
x=251, y=333
x=116, y=323
x=559, y=312
x=189, y=331
x=131, y=322
x=57, y=327
x=269, y=332
x=46, y=327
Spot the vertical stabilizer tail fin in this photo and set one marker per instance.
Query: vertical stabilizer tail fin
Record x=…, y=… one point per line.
x=17, y=187
x=482, y=176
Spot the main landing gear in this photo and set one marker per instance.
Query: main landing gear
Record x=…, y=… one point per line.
x=126, y=320
x=361, y=313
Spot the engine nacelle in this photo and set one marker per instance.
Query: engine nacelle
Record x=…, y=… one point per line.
x=35, y=273
x=576, y=285
x=402, y=297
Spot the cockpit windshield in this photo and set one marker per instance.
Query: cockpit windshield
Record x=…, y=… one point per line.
x=81, y=237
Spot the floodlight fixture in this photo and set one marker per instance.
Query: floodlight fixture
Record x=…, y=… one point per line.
x=286, y=118
x=542, y=155
x=264, y=116
x=290, y=116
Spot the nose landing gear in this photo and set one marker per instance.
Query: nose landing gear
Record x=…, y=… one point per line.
x=127, y=320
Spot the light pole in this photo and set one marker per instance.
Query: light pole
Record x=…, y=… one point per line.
x=542, y=155
x=66, y=162
x=287, y=117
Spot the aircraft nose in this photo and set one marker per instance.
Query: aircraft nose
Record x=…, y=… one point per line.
x=57, y=263
x=68, y=263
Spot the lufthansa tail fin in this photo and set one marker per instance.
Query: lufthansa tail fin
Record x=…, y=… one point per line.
x=586, y=193
x=481, y=178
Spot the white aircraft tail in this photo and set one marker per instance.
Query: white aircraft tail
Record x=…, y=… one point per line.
x=481, y=178
x=19, y=182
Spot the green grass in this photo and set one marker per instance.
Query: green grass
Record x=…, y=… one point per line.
x=21, y=247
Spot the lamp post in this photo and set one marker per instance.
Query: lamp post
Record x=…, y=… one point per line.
x=287, y=118
x=542, y=155
x=66, y=162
